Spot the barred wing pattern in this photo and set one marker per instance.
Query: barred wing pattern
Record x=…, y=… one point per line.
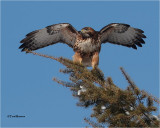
x=122, y=34
x=64, y=33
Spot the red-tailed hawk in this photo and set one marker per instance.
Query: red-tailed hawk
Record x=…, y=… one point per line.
x=85, y=43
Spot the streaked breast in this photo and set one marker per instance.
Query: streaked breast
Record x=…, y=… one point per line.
x=88, y=45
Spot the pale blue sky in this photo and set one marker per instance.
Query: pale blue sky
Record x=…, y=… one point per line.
x=27, y=86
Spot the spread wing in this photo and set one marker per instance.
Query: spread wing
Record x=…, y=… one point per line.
x=122, y=34
x=63, y=33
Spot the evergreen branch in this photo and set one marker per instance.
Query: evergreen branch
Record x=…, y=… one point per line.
x=134, y=87
x=85, y=73
x=93, y=124
x=128, y=78
x=111, y=105
x=62, y=82
x=46, y=56
x=153, y=97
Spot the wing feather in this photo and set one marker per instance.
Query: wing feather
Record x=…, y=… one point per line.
x=64, y=33
x=122, y=34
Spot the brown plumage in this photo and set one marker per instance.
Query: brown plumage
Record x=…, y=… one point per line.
x=85, y=43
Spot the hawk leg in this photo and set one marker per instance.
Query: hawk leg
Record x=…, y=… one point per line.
x=77, y=58
x=95, y=60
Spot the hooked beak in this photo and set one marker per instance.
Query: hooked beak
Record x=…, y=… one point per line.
x=82, y=30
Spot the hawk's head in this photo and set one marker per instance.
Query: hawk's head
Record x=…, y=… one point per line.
x=88, y=32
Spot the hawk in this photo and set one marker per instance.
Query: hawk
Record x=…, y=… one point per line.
x=85, y=43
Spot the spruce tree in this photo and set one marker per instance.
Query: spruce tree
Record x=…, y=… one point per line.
x=111, y=106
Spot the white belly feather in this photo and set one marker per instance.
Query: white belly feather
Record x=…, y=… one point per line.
x=87, y=45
